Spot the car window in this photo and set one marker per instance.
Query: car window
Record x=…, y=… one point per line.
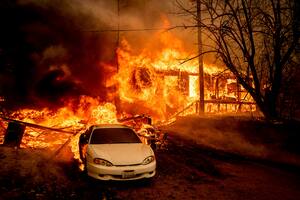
x=114, y=136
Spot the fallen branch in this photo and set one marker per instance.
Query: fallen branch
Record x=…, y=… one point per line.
x=37, y=126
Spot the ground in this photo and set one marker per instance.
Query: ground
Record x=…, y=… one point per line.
x=206, y=158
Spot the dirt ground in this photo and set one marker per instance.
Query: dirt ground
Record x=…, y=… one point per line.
x=206, y=158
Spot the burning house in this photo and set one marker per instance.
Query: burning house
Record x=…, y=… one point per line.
x=164, y=86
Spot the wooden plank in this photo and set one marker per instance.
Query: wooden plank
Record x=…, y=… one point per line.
x=221, y=101
x=37, y=126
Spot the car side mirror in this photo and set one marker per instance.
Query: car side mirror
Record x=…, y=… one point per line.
x=84, y=138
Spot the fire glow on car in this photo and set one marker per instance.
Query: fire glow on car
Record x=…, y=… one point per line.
x=115, y=152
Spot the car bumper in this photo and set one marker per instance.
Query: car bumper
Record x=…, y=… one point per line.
x=121, y=172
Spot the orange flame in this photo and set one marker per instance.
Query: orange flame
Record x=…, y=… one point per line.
x=72, y=118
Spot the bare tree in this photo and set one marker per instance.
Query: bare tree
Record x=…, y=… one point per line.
x=256, y=40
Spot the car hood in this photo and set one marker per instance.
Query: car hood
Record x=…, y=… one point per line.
x=121, y=154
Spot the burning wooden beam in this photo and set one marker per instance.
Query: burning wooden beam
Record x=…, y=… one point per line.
x=36, y=125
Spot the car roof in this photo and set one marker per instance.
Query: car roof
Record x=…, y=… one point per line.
x=110, y=126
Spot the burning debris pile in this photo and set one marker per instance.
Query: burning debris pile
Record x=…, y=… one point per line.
x=52, y=128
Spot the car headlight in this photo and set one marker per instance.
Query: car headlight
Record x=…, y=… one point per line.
x=148, y=160
x=103, y=162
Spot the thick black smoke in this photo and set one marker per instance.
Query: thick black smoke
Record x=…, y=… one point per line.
x=49, y=49
x=45, y=51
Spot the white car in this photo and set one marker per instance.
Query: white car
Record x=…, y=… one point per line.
x=115, y=152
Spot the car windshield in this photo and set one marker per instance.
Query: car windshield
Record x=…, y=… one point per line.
x=114, y=136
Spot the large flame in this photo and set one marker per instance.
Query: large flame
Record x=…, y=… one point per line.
x=88, y=111
x=159, y=80
x=74, y=118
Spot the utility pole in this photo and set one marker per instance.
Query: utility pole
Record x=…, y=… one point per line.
x=118, y=33
x=200, y=60
x=117, y=99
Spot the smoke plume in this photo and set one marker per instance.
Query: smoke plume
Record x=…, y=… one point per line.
x=53, y=49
